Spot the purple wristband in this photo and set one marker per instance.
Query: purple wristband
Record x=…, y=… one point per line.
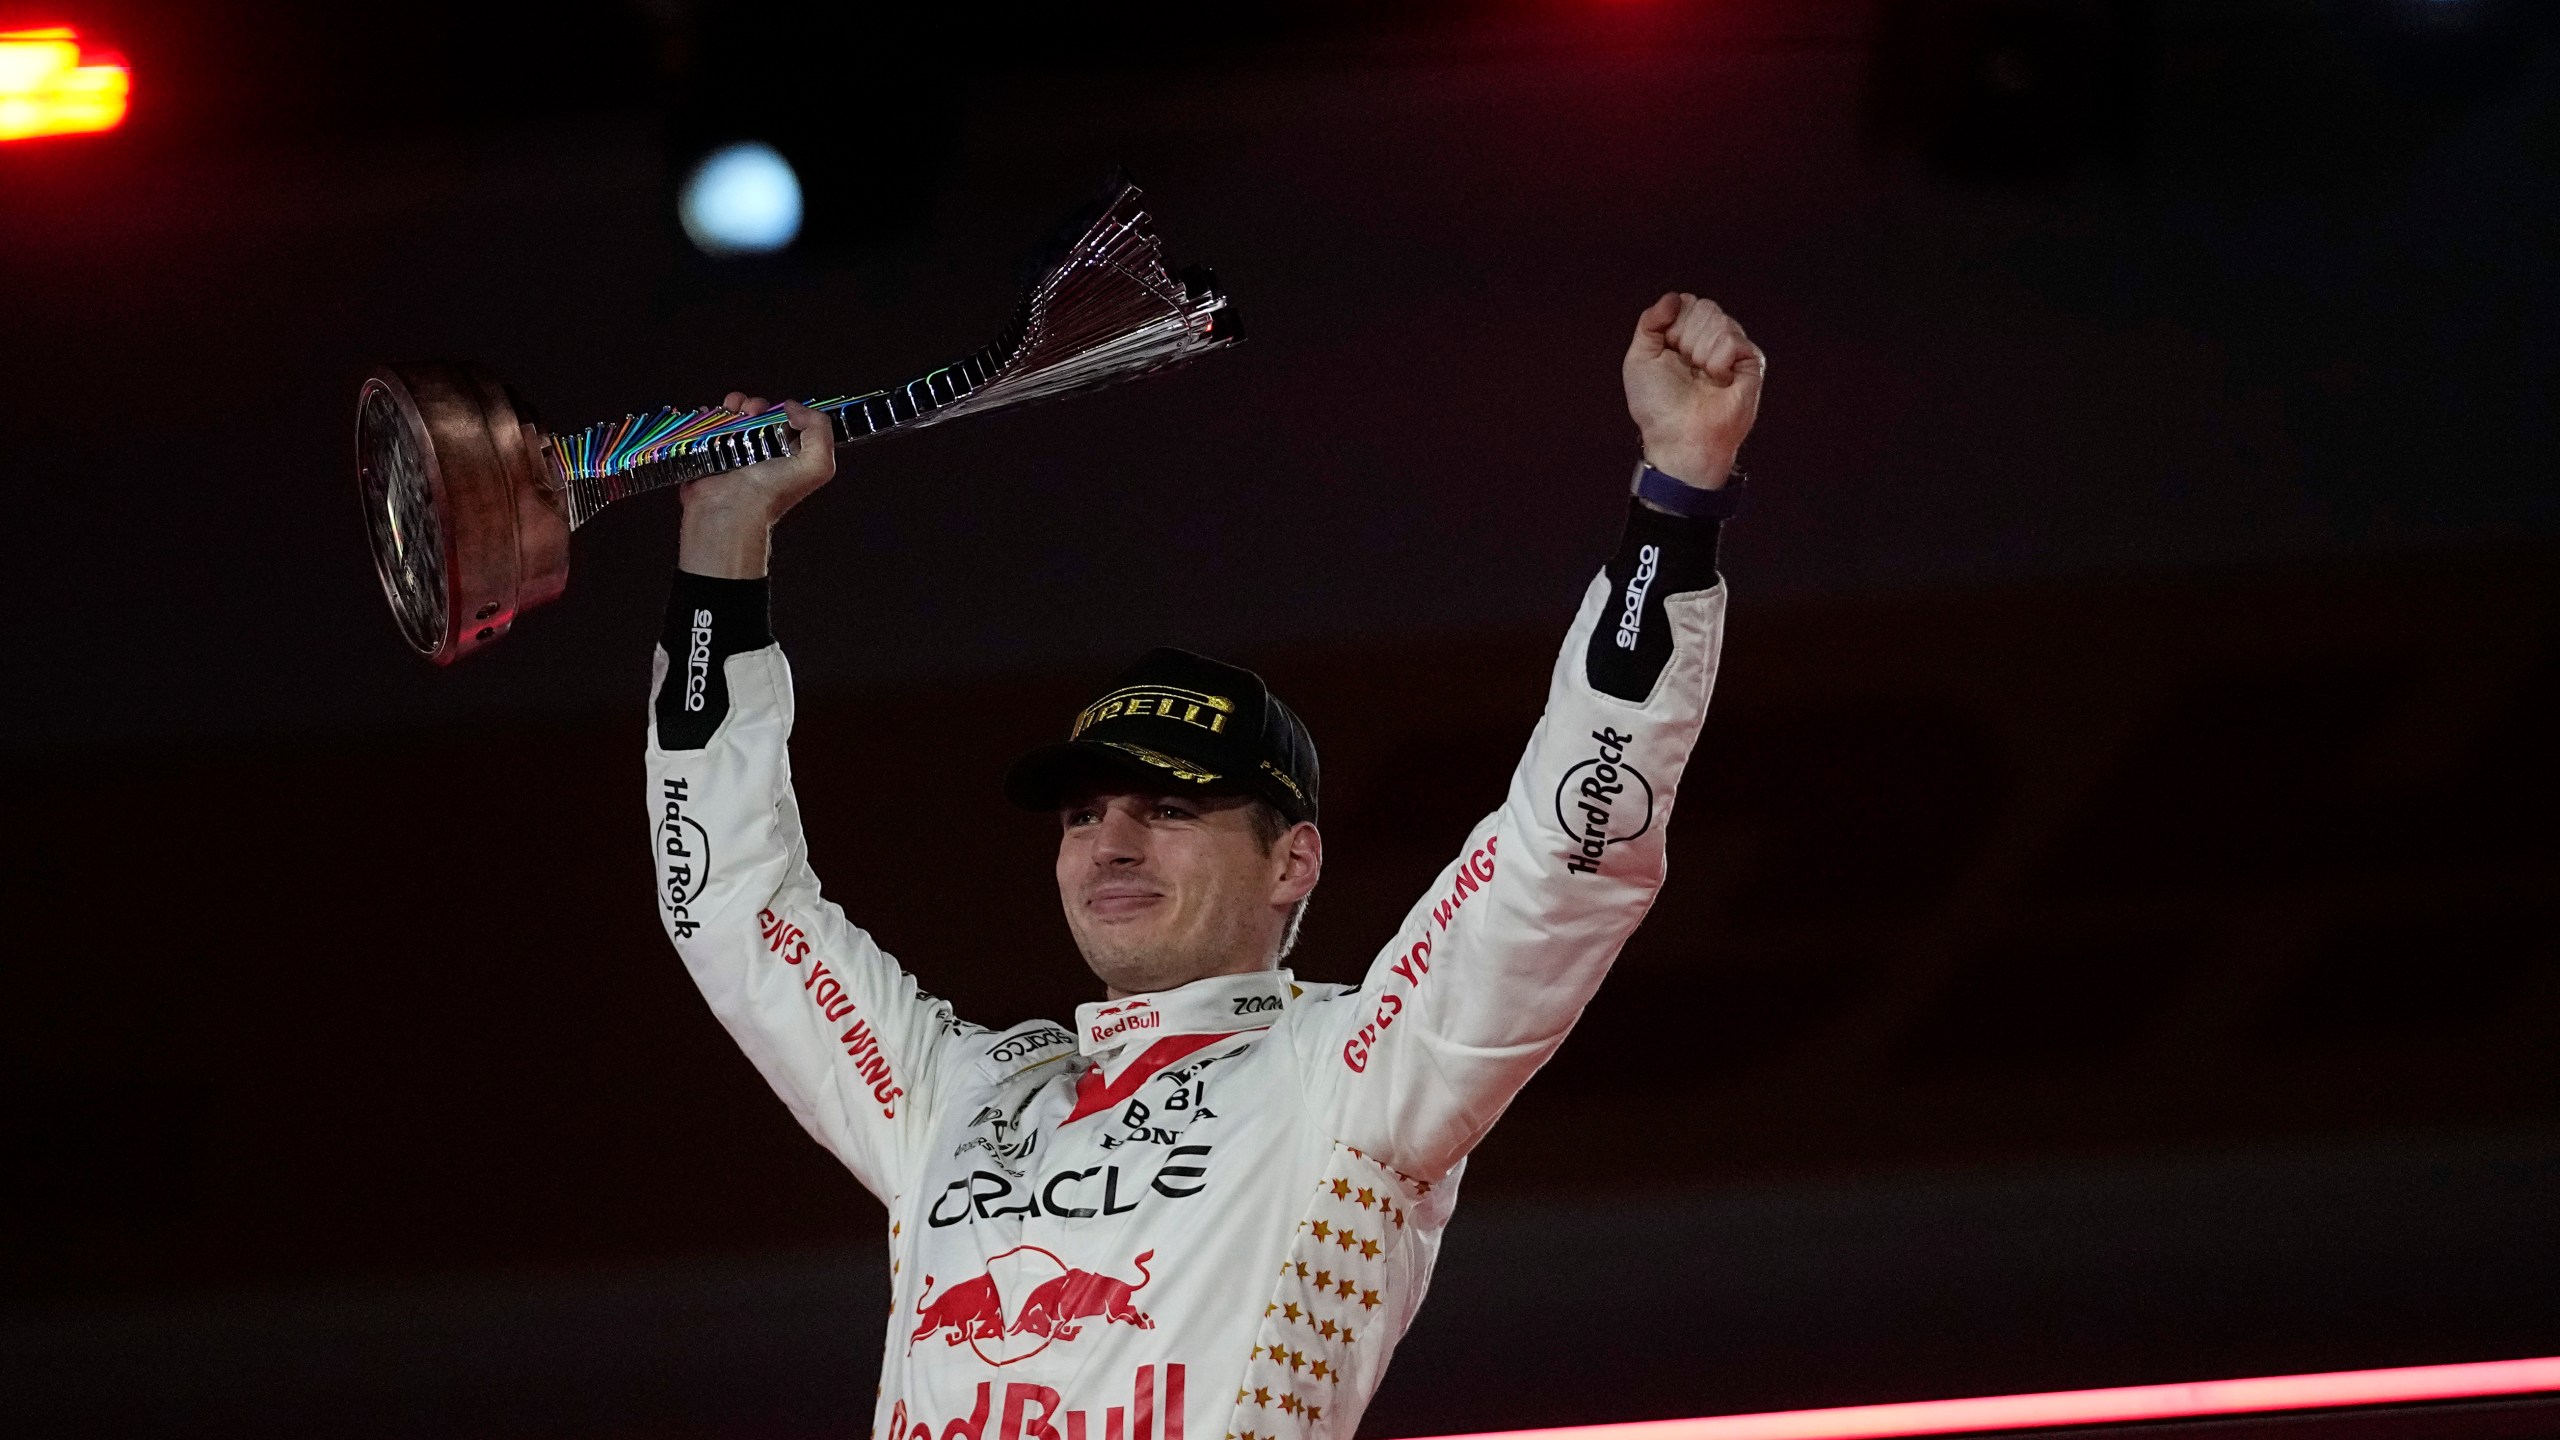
x=1667, y=492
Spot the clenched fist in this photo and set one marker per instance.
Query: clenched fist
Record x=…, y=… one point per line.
x=1693, y=388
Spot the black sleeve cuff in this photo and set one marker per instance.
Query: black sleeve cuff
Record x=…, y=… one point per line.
x=1658, y=557
x=708, y=620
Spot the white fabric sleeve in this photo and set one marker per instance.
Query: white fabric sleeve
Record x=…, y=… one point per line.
x=1492, y=967
x=844, y=1036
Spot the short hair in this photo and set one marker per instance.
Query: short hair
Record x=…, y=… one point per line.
x=1269, y=826
x=1268, y=823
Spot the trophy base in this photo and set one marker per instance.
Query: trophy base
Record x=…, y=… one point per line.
x=466, y=535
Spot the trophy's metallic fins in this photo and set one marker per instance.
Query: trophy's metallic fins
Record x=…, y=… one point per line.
x=1106, y=311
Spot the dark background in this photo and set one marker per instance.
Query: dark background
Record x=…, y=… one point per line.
x=2112, y=930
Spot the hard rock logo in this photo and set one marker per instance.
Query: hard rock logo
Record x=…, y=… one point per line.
x=1602, y=801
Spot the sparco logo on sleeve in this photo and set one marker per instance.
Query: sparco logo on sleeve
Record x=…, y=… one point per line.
x=697, y=661
x=684, y=858
x=1028, y=1044
x=1631, y=619
x=1601, y=802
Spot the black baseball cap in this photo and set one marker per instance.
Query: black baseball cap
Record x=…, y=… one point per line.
x=1182, y=722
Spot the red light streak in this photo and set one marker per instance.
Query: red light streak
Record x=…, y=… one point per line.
x=2091, y=1407
x=48, y=86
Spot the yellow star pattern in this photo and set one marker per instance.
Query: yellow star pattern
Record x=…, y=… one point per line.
x=1325, y=1291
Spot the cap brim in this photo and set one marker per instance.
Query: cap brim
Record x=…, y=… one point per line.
x=1054, y=774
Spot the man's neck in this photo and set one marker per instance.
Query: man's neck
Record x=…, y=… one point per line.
x=1114, y=992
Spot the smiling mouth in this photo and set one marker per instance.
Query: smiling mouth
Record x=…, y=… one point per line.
x=1115, y=904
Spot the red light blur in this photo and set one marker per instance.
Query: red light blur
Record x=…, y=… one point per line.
x=2273, y=1395
x=49, y=85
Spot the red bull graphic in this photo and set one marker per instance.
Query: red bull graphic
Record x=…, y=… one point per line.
x=967, y=1311
x=1054, y=1308
x=1027, y=1299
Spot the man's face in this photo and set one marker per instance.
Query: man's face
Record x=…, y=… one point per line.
x=1162, y=889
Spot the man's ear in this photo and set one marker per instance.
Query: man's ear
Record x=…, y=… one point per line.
x=1301, y=854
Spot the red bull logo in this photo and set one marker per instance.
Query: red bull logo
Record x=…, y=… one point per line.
x=1038, y=1412
x=1113, y=1021
x=1027, y=1299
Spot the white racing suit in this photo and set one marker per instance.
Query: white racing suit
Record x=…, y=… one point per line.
x=1209, y=1213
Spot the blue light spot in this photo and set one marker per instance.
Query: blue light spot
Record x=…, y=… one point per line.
x=742, y=199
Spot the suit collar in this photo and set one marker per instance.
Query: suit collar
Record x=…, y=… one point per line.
x=1219, y=1005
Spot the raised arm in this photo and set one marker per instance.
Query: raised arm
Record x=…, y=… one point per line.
x=1494, y=964
x=836, y=1027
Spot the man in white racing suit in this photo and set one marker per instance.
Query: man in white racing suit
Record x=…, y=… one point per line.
x=1208, y=1208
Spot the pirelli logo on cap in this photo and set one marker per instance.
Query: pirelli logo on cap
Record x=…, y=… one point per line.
x=1191, y=707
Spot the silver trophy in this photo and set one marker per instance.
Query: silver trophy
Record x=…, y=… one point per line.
x=469, y=505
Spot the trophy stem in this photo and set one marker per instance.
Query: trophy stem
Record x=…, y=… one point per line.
x=640, y=453
x=1106, y=312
